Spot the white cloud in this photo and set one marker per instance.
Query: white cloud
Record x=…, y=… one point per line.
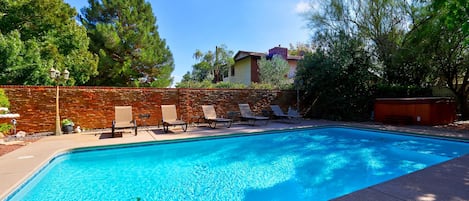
x=305, y=6
x=302, y=7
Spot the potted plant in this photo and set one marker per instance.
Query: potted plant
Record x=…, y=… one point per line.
x=67, y=126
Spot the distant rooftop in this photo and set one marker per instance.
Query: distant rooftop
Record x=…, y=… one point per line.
x=282, y=51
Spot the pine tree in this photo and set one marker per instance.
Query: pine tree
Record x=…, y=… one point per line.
x=37, y=35
x=124, y=34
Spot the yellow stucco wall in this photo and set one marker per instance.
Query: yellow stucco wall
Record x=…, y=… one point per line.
x=292, y=71
x=242, y=71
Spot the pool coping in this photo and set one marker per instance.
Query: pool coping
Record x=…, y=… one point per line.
x=447, y=181
x=18, y=166
x=383, y=191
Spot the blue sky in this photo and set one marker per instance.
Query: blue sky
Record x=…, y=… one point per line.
x=249, y=25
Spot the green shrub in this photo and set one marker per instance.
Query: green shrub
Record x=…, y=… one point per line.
x=261, y=86
x=399, y=91
x=336, y=80
x=229, y=85
x=5, y=128
x=4, y=99
x=206, y=84
x=195, y=85
x=67, y=122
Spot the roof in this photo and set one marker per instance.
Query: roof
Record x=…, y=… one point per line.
x=243, y=54
x=292, y=57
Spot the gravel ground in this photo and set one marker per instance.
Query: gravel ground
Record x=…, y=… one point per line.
x=4, y=149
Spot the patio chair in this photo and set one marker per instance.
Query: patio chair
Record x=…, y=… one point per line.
x=246, y=114
x=123, y=119
x=210, y=116
x=294, y=113
x=169, y=115
x=277, y=111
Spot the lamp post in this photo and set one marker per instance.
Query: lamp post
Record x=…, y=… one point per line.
x=55, y=75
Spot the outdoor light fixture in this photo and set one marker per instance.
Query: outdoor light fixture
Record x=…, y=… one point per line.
x=55, y=75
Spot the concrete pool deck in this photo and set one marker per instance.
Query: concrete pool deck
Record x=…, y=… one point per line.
x=445, y=181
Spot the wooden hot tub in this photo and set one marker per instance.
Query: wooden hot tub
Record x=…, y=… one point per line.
x=422, y=111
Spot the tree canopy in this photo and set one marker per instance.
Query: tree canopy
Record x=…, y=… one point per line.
x=380, y=24
x=404, y=46
x=300, y=49
x=274, y=71
x=443, y=37
x=37, y=35
x=337, y=78
x=212, y=66
x=125, y=36
x=456, y=14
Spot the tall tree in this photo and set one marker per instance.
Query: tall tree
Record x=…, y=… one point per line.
x=380, y=24
x=125, y=36
x=337, y=78
x=444, y=46
x=299, y=49
x=37, y=35
x=457, y=18
x=211, y=65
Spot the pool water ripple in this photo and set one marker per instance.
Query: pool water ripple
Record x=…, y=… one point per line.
x=315, y=164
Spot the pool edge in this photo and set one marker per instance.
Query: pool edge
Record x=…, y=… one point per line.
x=62, y=151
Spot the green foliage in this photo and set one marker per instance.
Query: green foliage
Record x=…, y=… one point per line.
x=125, y=36
x=299, y=49
x=5, y=128
x=38, y=35
x=413, y=44
x=229, y=85
x=274, y=71
x=442, y=44
x=212, y=66
x=456, y=14
x=396, y=91
x=262, y=86
x=337, y=78
x=383, y=25
x=206, y=84
x=67, y=122
x=194, y=84
x=4, y=102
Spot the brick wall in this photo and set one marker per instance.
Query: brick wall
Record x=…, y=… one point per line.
x=93, y=107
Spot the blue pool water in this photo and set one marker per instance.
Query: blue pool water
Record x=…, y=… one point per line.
x=315, y=164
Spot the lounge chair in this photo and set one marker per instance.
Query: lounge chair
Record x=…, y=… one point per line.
x=278, y=112
x=292, y=115
x=210, y=116
x=246, y=114
x=123, y=119
x=169, y=116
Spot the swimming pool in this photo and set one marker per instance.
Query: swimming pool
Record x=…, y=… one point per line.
x=309, y=164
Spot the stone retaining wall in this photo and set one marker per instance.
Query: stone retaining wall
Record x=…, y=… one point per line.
x=93, y=107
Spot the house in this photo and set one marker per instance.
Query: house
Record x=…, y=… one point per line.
x=246, y=70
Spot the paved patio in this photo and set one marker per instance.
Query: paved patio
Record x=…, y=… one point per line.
x=446, y=181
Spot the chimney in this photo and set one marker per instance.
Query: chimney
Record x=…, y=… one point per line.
x=282, y=51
